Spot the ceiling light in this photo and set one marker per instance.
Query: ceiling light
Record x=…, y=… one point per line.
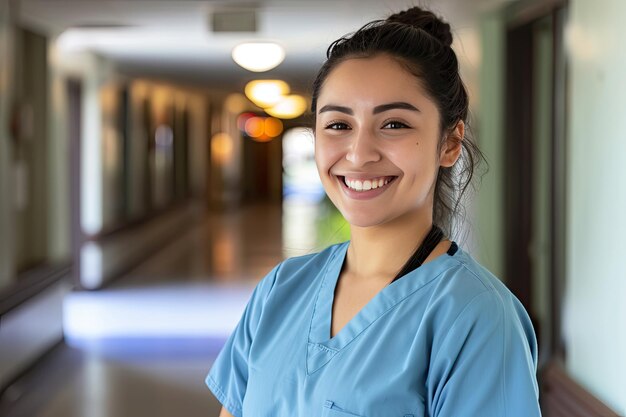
x=266, y=93
x=258, y=56
x=289, y=107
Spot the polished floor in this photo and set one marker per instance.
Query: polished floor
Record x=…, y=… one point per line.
x=194, y=289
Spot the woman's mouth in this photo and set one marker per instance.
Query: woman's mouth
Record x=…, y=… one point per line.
x=366, y=185
x=365, y=188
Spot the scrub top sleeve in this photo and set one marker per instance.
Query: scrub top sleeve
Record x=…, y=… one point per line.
x=487, y=363
x=228, y=376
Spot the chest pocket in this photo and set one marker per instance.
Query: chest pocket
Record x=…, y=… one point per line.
x=332, y=410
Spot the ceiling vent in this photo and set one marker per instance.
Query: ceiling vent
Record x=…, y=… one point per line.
x=234, y=21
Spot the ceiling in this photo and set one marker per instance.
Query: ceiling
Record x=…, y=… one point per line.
x=174, y=39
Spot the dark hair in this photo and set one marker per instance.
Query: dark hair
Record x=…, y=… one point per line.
x=421, y=43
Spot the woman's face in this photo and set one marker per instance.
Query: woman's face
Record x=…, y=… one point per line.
x=376, y=137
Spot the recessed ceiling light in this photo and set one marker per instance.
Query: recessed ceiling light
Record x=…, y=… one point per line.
x=258, y=56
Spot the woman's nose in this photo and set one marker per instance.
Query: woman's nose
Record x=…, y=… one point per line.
x=362, y=149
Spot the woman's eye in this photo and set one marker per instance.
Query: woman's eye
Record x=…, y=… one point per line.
x=394, y=124
x=337, y=126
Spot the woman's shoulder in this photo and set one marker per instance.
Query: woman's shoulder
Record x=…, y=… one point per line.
x=466, y=277
x=468, y=288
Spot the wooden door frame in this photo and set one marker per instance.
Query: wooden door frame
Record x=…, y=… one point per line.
x=518, y=157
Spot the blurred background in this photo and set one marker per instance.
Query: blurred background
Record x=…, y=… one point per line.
x=156, y=161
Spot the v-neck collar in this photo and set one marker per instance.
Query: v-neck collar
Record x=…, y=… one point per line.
x=321, y=348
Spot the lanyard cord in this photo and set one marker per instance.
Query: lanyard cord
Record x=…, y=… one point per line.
x=419, y=256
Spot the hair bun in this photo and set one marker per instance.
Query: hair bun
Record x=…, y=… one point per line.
x=425, y=20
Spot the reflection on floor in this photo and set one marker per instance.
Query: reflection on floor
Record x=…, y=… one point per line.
x=131, y=379
x=143, y=346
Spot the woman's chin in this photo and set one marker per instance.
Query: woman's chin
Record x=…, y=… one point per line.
x=362, y=220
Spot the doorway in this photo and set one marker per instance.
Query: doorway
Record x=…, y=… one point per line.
x=535, y=150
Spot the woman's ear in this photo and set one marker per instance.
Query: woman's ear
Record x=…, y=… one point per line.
x=451, y=149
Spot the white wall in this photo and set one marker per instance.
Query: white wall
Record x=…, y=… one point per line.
x=30, y=330
x=489, y=208
x=596, y=221
x=58, y=210
x=91, y=205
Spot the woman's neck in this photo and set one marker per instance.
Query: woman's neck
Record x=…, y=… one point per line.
x=379, y=252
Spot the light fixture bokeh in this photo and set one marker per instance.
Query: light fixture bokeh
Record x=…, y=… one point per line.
x=266, y=93
x=288, y=107
x=258, y=56
x=273, y=127
x=259, y=128
x=255, y=127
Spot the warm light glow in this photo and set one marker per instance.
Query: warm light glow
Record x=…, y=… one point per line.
x=242, y=119
x=140, y=89
x=223, y=253
x=260, y=129
x=263, y=138
x=162, y=101
x=266, y=93
x=273, y=127
x=108, y=98
x=221, y=148
x=236, y=103
x=258, y=56
x=255, y=127
x=289, y=107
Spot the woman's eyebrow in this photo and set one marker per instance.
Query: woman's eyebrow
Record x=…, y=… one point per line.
x=403, y=105
x=333, y=107
x=395, y=105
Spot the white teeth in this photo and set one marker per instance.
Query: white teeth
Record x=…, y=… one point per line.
x=366, y=185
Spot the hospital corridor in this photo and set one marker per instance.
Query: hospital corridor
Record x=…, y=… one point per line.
x=158, y=160
x=161, y=324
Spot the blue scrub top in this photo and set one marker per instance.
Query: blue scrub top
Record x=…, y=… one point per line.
x=446, y=340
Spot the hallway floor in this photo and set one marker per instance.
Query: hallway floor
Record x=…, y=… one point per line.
x=143, y=346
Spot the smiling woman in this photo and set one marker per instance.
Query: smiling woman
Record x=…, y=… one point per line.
x=400, y=320
x=376, y=134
